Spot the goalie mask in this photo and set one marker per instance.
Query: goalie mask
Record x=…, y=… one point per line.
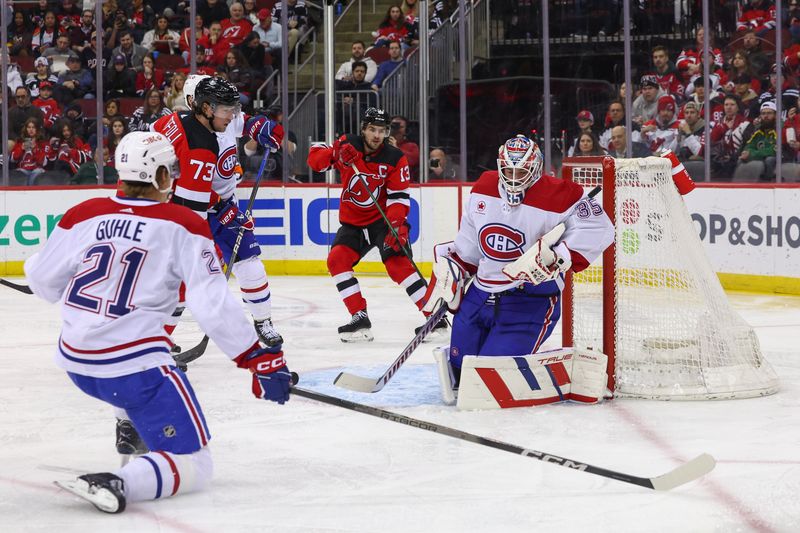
x=519, y=165
x=140, y=154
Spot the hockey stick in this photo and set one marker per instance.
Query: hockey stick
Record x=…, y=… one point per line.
x=686, y=472
x=362, y=384
x=16, y=286
x=193, y=353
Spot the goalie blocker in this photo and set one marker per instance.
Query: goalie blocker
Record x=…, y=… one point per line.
x=552, y=376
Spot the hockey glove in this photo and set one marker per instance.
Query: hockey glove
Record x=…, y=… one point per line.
x=265, y=132
x=346, y=153
x=401, y=228
x=447, y=283
x=271, y=377
x=229, y=215
x=544, y=261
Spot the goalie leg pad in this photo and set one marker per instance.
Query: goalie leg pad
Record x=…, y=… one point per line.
x=447, y=379
x=501, y=382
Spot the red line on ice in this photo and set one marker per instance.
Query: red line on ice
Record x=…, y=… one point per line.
x=729, y=500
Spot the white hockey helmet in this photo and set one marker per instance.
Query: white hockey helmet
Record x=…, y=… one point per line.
x=189, y=86
x=519, y=164
x=140, y=154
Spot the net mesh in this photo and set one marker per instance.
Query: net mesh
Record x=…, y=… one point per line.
x=676, y=335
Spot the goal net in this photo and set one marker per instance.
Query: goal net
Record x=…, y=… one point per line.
x=654, y=304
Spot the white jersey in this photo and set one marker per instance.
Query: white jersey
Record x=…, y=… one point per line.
x=225, y=178
x=116, y=265
x=493, y=234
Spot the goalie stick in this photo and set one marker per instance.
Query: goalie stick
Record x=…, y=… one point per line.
x=680, y=475
x=195, y=352
x=362, y=384
x=16, y=286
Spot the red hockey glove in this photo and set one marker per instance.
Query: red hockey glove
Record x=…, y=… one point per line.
x=271, y=376
x=396, y=244
x=346, y=153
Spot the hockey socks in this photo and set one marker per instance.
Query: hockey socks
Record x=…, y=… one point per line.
x=340, y=265
x=253, y=282
x=402, y=272
x=161, y=474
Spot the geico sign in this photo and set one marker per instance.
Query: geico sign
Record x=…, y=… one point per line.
x=755, y=230
x=302, y=221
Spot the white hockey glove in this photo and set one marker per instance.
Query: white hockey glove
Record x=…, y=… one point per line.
x=447, y=283
x=544, y=261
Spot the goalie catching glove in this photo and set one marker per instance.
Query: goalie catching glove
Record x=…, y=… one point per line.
x=271, y=377
x=229, y=215
x=544, y=261
x=448, y=281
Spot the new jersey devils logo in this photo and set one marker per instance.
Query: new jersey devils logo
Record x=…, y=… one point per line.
x=226, y=163
x=500, y=242
x=357, y=192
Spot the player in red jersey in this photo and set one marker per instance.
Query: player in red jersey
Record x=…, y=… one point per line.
x=384, y=169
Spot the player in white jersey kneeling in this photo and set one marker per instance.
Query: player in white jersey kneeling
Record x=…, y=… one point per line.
x=115, y=264
x=519, y=233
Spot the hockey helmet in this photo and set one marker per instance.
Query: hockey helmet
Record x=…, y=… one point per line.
x=218, y=92
x=519, y=164
x=190, y=85
x=374, y=115
x=140, y=154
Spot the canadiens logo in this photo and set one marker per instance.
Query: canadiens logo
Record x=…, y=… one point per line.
x=357, y=192
x=226, y=163
x=500, y=242
x=481, y=206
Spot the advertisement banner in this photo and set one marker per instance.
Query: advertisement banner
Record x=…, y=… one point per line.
x=749, y=233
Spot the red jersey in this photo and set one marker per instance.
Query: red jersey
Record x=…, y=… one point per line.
x=235, y=32
x=387, y=175
x=196, y=147
x=50, y=110
x=215, y=53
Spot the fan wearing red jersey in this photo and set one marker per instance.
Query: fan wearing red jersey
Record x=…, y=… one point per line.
x=384, y=170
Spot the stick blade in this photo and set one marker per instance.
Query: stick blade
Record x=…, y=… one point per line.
x=357, y=383
x=694, y=469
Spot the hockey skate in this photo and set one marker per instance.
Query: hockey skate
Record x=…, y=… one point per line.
x=104, y=490
x=440, y=333
x=358, y=329
x=266, y=332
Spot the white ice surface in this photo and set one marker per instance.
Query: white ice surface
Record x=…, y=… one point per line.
x=313, y=467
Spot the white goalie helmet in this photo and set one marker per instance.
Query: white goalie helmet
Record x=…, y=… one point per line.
x=189, y=86
x=140, y=154
x=519, y=164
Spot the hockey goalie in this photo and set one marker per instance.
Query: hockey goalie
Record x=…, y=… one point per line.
x=502, y=279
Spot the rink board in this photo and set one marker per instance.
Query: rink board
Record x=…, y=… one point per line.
x=751, y=233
